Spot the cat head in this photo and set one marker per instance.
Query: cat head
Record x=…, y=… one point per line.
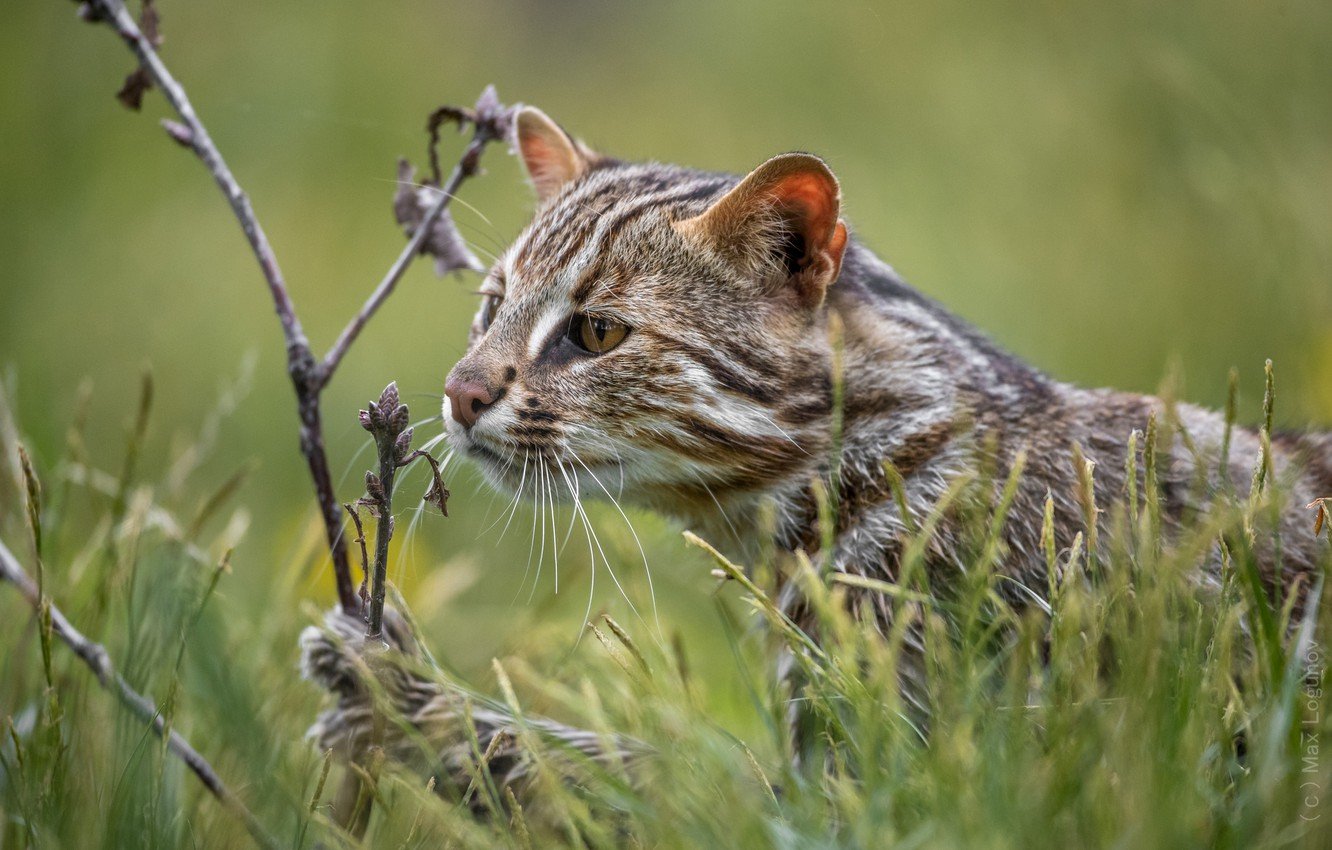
x=655, y=332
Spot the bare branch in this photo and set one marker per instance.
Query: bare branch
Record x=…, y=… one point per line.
x=95, y=656
x=302, y=366
x=115, y=13
x=490, y=122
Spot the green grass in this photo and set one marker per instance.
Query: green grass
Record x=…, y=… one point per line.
x=1102, y=187
x=1110, y=720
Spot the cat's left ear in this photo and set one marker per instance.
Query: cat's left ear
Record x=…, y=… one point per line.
x=552, y=157
x=781, y=220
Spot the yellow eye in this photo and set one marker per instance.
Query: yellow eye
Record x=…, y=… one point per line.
x=490, y=305
x=597, y=335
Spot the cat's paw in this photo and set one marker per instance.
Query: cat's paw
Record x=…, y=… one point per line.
x=332, y=655
x=339, y=658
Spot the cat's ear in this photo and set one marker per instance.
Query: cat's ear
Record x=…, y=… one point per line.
x=782, y=220
x=552, y=157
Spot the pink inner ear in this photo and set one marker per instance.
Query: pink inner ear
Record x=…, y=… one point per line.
x=542, y=159
x=814, y=201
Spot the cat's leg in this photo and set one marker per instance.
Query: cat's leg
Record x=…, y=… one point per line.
x=435, y=726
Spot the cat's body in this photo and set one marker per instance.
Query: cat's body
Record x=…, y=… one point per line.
x=717, y=349
x=718, y=403
x=927, y=393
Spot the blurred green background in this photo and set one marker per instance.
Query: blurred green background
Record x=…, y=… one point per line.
x=1112, y=190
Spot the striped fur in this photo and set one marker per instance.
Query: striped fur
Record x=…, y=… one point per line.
x=719, y=402
x=717, y=409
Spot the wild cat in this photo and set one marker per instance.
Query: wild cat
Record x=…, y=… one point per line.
x=687, y=340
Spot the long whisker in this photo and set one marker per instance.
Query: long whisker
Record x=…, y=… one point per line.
x=647, y=570
x=453, y=199
x=781, y=430
x=531, y=546
x=494, y=494
x=555, y=547
x=591, y=556
x=721, y=511
x=568, y=532
x=513, y=510
x=513, y=504
x=477, y=249
x=593, y=538
x=409, y=538
x=492, y=238
x=541, y=509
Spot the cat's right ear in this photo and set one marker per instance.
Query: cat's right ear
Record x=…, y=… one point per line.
x=552, y=157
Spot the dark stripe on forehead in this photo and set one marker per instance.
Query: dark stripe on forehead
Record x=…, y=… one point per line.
x=582, y=199
x=637, y=200
x=557, y=218
x=706, y=190
x=575, y=230
x=576, y=214
x=664, y=200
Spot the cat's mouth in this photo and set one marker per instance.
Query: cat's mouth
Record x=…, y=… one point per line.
x=483, y=453
x=497, y=462
x=530, y=468
x=505, y=464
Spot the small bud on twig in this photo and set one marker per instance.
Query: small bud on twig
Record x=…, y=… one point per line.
x=388, y=399
x=388, y=421
x=373, y=488
x=179, y=133
x=398, y=420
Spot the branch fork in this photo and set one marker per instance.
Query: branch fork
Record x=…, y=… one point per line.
x=429, y=231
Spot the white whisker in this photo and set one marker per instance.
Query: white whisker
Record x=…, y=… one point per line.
x=541, y=509
x=592, y=539
x=647, y=570
x=781, y=430
x=517, y=497
x=722, y=511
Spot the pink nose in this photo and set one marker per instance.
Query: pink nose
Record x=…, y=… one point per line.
x=468, y=399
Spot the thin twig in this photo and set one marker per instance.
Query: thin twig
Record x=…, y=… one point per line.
x=386, y=420
x=388, y=465
x=309, y=375
x=483, y=134
x=115, y=13
x=304, y=369
x=365, y=558
x=95, y=656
